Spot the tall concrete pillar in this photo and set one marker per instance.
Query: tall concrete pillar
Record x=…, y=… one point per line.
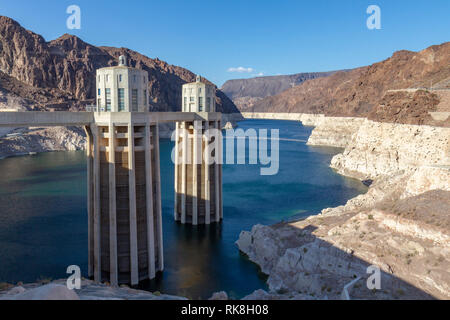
x=198, y=185
x=90, y=197
x=124, y=206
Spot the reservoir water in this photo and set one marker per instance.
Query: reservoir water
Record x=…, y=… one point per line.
x=43, y=217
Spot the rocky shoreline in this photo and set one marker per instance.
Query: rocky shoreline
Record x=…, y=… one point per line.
x=57, y=290
x=400, y=225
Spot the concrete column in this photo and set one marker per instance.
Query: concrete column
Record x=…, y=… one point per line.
x=132, y=196
x=113, y=267
x=207, y=178
x=97, y=229
x=220, y=171
x=183, y=173
x=197, y=125
x=216, y=174
x=149, y=203
x=90, y=199
x=158, y=199
x=177, y=139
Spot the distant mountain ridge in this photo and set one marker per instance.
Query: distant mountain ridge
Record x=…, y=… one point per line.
x=359, y=92
x=261, y=87
x=61, y=73
x=245, y=92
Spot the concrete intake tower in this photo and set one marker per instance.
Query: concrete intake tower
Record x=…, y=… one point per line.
x=124, y=189
x=198, y=158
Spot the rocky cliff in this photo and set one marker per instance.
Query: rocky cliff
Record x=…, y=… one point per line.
x=379, y=148
x=333, y=131
x=358, y=91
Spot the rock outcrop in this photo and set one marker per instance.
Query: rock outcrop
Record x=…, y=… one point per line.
x=333, y=131
x=25, y=141
x=386, y=148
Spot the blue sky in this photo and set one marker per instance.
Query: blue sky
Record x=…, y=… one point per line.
x=214, y=38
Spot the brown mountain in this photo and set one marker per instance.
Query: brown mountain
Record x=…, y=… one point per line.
x=61, y=73
x=358, y=92
x=245, y=92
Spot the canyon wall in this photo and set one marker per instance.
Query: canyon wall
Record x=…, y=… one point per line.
x=386, y=148
x=332, y=131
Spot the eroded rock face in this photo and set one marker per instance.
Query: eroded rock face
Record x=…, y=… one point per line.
x=386, y=148
x=332, y=131
x=42, y=140
x=407, y=240
x=261, y=246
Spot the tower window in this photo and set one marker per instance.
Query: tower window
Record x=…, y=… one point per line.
x=145, y=97
x=208, y=104
x=99, y=91
x=200, y=104
x=121, y=94
x=120, y=78
x=108, y=99
x=134, y=100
